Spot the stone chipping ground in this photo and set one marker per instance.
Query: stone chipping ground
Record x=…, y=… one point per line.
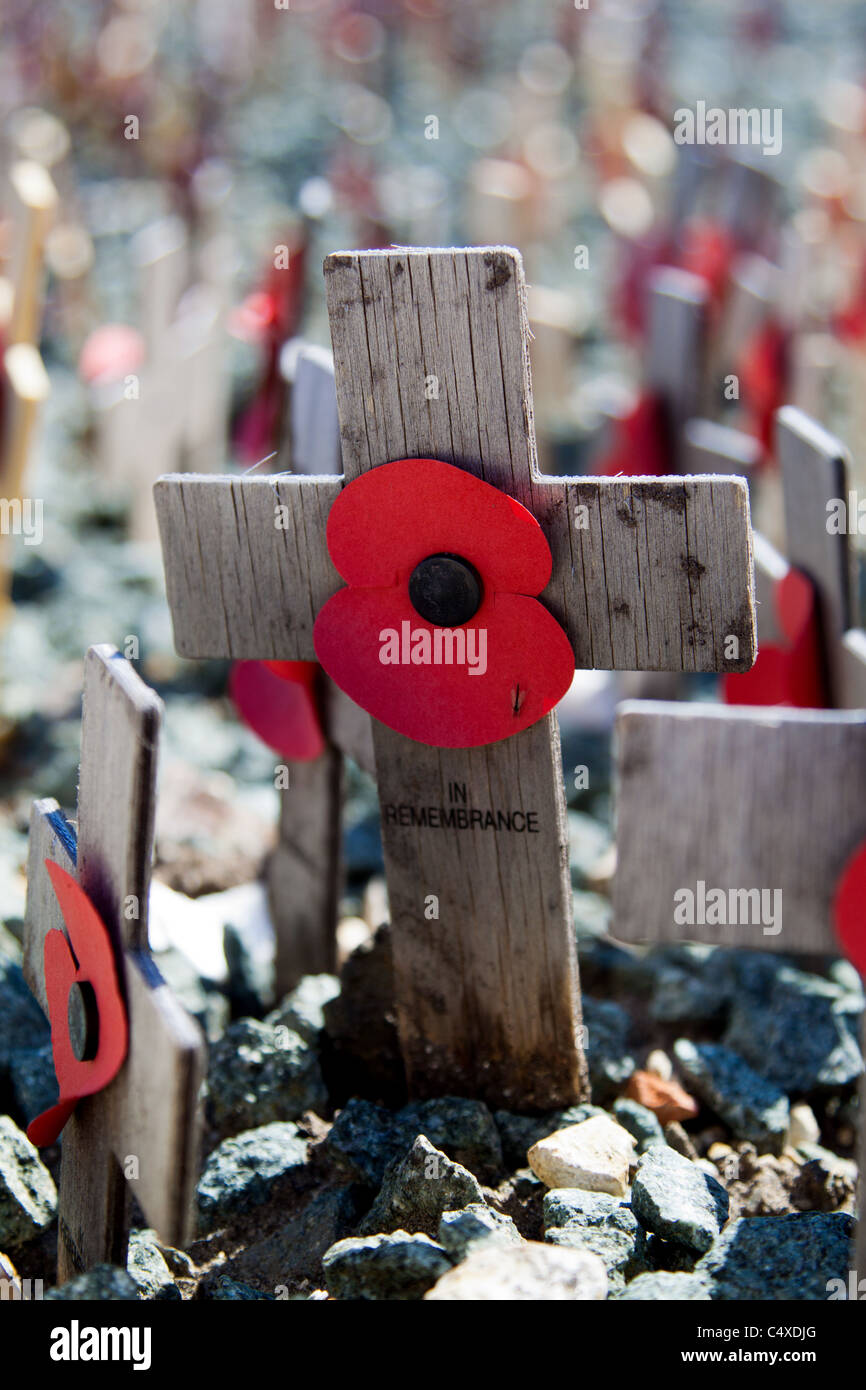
x=710, y=1163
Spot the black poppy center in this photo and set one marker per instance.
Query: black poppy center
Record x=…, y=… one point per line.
x=446, y=590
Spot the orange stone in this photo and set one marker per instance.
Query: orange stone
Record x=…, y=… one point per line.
x=667, y=1099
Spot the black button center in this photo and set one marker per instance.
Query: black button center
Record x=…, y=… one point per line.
x=446, y=590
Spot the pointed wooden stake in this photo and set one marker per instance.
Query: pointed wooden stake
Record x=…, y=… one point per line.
x=144, y=1127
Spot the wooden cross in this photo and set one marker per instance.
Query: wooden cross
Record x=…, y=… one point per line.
x=305, y=871
x=144, y=1126
x=180, y=413
x=647, y=574
x=738, y=800
x=815, y=477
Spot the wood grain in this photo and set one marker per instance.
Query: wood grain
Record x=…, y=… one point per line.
x=676, y=362
x=238, y=586
x=815, y=468
x=51, y=837
x=116, y=792
x=652, y=575
x=304, y=873
x=740, y=799
x=314, y=425
x=487, y=993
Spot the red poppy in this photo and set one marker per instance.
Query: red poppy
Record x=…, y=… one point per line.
x=438, y=634
x=848, y=909
x=277, y=700
x=86, y=958
x=789, y=674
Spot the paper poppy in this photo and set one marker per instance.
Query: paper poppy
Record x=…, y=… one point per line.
x=84, y=960
x=277, y=699
x=789, y=674
x=438, y=634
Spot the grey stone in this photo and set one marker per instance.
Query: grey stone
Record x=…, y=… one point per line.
x=250, y=982
x=146, y=1264
x=664, y=1286
x=609, y=1060
x=207, y=1004
x=365, y=1137
x=518, y=1133
x=461, y=1231
x=362, y=1140
x=754, y=1108
x=242, y=1172
x=530, y=1272
x=779, y=1257
x=686, y=987
x=588, y=841
x=463, y=1129
x=600, y=1223
x=224, y=1289
x=400, y=1266
x=641, y=1123
x=33, y=1081
x=303, y=1010
x=676, y=1200
x=417, y=1189
x=23, y=1026
x=28, y=1197
x=792, y=1028
x=363, y=1050
x=258, y=1074
x=295, y=1250
x=105, y=1283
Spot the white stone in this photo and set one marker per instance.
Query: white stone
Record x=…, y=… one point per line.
x=803, y=1128
x=660, y=1064
x=594, y=1155
x=531, y=1272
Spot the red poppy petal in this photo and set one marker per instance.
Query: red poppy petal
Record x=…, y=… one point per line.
x=87, y=955
x=850, y=909
x=529, y=667
x=385, y=522
x=277, y=700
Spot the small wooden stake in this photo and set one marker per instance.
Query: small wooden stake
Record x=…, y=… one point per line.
x=144, y=1126
x=699, y=795
x=34, y=204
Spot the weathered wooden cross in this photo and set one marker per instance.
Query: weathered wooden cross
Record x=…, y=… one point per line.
x=431, y=361
x=144, y=1126
x=304, y=872
x=821, y=516
x=179, y=411
x=754, y=813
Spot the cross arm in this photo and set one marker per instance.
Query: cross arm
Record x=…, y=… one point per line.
x=808, y=764
x=246, y=563
x=652, y=574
